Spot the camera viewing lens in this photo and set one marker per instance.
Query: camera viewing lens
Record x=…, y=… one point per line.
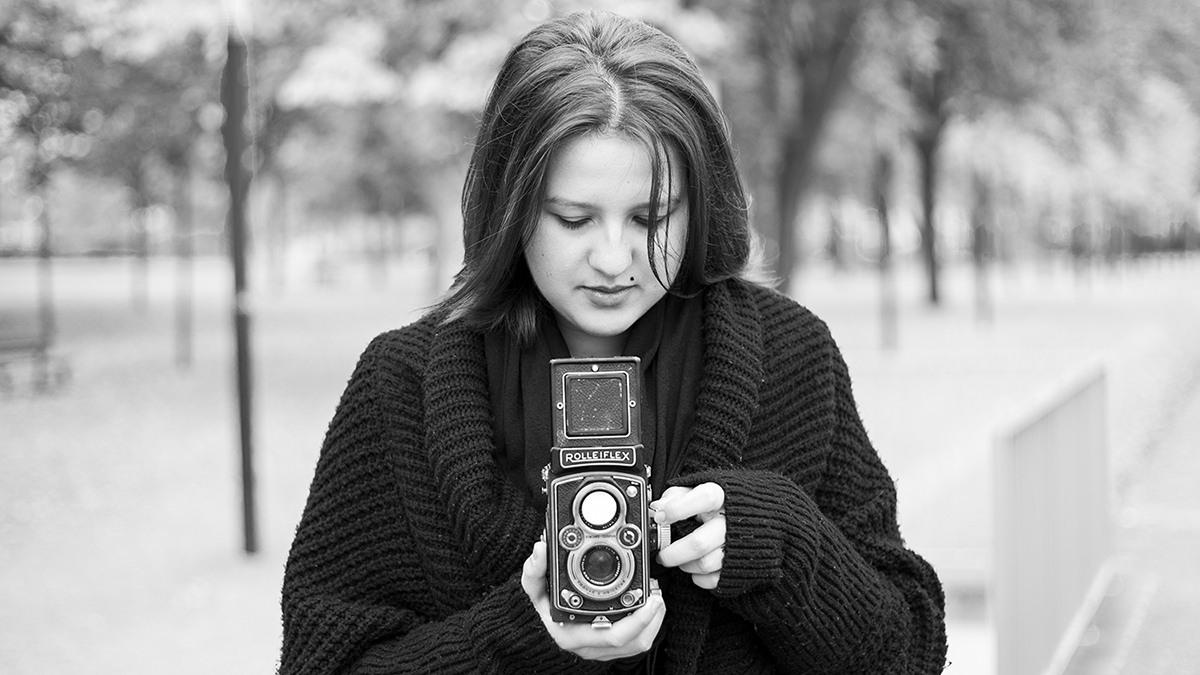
x=600, y=565
x=599, y=509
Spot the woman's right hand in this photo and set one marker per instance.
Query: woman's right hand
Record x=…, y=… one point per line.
x=631, y=635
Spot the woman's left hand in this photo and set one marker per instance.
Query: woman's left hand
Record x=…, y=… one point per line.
x=702, y=552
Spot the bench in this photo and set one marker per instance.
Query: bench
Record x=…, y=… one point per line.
x=48, y=371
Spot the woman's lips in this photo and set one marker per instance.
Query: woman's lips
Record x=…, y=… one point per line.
x=608, y=296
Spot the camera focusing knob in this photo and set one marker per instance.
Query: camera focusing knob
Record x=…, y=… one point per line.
x=664, y=536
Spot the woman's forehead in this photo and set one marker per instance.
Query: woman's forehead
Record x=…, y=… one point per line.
x=606, y=166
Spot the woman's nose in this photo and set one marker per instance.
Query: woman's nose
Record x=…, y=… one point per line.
x=612, y=250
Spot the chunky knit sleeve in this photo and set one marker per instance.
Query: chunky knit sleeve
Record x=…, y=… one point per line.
x=813, y=556
x=363, y=591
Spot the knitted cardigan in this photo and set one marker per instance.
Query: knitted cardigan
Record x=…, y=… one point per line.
x=408, y=556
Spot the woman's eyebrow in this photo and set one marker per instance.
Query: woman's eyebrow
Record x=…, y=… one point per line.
x=672, y=204
x=568, y=204
x=563, y=203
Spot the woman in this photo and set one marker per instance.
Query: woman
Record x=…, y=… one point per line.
x=603, y=215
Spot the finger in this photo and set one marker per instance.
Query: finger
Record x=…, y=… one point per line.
x=705, y=539
x=707, y=581
x=631, y=635
x=673, y=492
x=706, y=564
x=533, y=573
x=705, y=516
x=669, y=495
x=646, y=638
x=706, y=498
x=631, y=626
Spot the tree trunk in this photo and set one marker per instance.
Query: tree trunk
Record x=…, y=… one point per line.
x=234, y=98
x=823, y=72
x=184, y=270
x=47, y=326
x=834, y=247
x=927, y=154
x=140, y=244
x=981, y=216
x=44, y=379
x=888, y=312
x=931, y=93
x=788, y=191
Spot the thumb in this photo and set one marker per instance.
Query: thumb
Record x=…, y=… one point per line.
x=533, y=573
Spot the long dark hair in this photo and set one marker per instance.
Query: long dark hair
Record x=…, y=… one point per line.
x=591, y=72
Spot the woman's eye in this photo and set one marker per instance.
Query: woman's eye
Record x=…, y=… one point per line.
x=645, y=221
x=569, y=223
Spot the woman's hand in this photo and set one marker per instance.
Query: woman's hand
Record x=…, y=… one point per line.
x=701, y=553
x=631, y=635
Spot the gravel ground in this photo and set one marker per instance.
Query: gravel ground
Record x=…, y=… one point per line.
x=120, y=502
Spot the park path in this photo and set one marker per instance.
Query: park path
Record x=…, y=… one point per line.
x=119, y=507
x=1149, y=624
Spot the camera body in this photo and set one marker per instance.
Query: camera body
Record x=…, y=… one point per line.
x=599, y=533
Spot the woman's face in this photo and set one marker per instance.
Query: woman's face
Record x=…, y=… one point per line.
x=588, y=253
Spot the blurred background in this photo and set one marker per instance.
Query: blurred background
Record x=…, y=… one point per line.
x=993, y=205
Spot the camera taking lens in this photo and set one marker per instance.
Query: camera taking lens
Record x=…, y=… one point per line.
x=600, y=565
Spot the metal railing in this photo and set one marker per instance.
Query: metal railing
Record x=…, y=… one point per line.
x=1052, y=533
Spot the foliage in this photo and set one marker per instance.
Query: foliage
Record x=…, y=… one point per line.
x=369, y=106
x=150, y=115
x=40, y=43
x=789, y=65
x=1115, y=118
x=966, y=59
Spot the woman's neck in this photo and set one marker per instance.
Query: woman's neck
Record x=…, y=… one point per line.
x=584, y=345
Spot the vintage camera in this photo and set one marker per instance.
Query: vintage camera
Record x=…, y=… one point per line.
x=598, y=530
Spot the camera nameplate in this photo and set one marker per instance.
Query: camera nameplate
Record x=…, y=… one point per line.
x=574, y=459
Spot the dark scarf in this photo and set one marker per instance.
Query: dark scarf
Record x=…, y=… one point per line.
x=669, y=340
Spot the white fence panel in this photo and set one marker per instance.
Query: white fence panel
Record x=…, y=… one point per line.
x=1052, y=526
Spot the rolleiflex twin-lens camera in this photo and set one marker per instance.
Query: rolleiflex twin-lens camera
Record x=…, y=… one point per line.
x=598, y=531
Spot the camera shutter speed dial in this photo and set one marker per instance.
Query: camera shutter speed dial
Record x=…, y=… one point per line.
x=599, y=509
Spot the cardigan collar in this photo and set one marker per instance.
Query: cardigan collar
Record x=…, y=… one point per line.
x=491, y=518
